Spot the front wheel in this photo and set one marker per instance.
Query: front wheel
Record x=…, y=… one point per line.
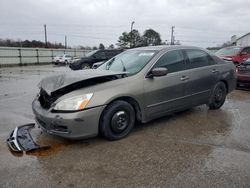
x=218, y=96
x=117, y=120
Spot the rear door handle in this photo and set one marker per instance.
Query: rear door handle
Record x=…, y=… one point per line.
x=215, y=71
x=184, y=78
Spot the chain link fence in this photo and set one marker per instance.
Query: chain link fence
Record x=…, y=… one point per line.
x=10, y=56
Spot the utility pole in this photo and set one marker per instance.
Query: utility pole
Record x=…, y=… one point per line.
x=172, y=35
x=131, y=35
x=65, y=40
x=45, y=35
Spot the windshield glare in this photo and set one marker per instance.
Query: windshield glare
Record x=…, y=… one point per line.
x=228, y=51
x=131, y=61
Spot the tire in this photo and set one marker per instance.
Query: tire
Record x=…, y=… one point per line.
x=117, y=120
x=218, y=96
x=85, y=66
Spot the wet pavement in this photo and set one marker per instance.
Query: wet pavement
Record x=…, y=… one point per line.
x=194, y=148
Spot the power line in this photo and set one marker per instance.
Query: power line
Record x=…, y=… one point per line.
x=200, y=41
x=162, y=25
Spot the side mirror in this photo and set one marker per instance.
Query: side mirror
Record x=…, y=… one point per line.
x=158, y=72
x=243, y=53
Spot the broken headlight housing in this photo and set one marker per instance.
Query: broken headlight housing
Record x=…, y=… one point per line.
x=73, y=103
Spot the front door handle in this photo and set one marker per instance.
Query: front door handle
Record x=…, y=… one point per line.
x=215, y=71
x=184, y=78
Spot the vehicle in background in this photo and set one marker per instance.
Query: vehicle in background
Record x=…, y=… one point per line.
x=74, y=59
x=98, y=64
x=87, y=61
x=62, y=59
x=139, y=84
x=243, y=74
x=236, y=54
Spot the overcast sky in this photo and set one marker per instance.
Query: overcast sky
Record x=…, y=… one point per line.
x=90, y=22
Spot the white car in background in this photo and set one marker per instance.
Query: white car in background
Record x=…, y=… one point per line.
x=62, y=59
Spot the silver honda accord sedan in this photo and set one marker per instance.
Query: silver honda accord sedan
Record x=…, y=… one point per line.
x=139, y=84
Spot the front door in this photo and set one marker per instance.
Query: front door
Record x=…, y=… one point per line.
x=166, y=93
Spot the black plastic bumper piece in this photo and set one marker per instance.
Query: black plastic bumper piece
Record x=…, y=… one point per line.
x=20, y=139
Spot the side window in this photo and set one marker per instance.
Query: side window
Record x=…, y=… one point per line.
x=173, y=61
x=109, y=54
x=100, y=55
x=198, y=58
x=246, y=50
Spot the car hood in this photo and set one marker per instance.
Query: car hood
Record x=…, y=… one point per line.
x=67, y=82
x=84, y=58
x=79, y=60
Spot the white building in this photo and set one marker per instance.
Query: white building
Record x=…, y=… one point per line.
x=244, y=40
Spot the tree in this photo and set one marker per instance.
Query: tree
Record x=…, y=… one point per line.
x=151, y=37
x=94, y=48
x=101, y=46
x=127, y=39
x=111, y=46
x=28, y=43
x=124, y=40
x=136, y=39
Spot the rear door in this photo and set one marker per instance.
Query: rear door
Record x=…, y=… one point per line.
x=166, y=93
x=202, y=75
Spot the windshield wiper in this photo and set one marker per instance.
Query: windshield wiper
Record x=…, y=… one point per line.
x=124, y=68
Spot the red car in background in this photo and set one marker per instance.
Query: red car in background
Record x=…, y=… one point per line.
x=243, y=74
x=236, y=54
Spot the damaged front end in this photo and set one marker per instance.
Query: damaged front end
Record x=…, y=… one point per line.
x=20, y=139
x=54, y=87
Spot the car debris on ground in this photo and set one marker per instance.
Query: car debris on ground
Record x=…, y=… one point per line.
x=20, y=139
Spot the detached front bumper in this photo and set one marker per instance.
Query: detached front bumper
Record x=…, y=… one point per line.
x=20, y=139
x=75, y=125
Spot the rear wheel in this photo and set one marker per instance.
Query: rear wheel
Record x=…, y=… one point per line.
x=85, y=66
x=218, y=96
x=117, y=120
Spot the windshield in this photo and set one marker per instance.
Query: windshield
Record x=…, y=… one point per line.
x=130, y=61
x=90, y=53
x=228, y=51
x=247, y=62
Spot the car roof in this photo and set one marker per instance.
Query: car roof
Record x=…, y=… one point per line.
x=165, y=47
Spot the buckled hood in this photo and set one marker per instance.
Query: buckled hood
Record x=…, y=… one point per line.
x=77, y=79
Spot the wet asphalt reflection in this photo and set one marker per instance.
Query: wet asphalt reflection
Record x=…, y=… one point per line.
x=193, y=148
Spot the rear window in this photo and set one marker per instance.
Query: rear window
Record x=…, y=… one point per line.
x=197, y=58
